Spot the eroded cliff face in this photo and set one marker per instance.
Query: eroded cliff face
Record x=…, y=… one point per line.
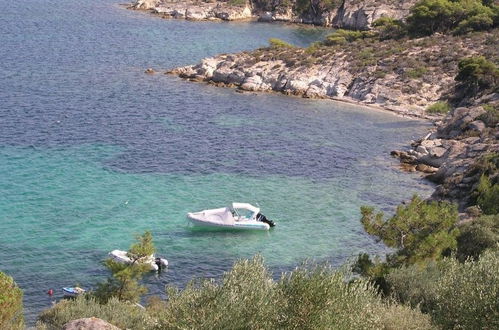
x=359, y=14
x=349, y=14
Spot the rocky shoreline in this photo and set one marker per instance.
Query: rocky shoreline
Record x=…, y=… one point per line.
x=447, y=156
x=349, y=14
x=452, y=154
x=402, y=76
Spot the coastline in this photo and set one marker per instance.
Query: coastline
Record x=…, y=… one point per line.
x=405, y=83
x=400, y=76
x=433, y=119
x=349, y=14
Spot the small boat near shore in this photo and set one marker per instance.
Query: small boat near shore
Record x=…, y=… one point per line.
x=241, y=216
x=122, y=257
x=73, y=291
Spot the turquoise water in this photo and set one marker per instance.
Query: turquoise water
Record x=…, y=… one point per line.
x=93, y=151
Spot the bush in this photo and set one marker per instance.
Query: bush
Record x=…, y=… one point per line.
x=246, y=298
x=341, y=36
x=488, y=195
x=479, y=22
x=420, y=230
x=124, y=315
x=124, y=282
x=456, y=295
x=11, y=304
x=439, y=107
x=319, y=298
x=477, y=236
x=278, y=43
x=491, y=115
x=477, y=74
x=416, y=72
x=460, y=16
x=315, y=297
x=389, y=28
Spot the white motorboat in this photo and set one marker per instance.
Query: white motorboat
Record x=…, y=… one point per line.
x=237, y=216
x=122, y=257
x=73, y=291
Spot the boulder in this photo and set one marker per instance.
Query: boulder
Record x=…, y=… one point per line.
x=426, y=169
x=476, y=125
x=252, y=83
x=422, y=150
x=437, y=151
x=146, y=4
x=90, y=323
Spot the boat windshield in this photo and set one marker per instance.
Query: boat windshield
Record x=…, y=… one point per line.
x=244, y=213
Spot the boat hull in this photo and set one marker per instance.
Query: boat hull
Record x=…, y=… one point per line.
x=121, y=257
x=241, y=225
x=72, y=292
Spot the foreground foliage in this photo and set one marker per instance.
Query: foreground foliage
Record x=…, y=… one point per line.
x=310, y=297
x=124, y=315
x=456, y=295
x=477, y=236
x=124, y=282
x=420, y=230
x=11, y=304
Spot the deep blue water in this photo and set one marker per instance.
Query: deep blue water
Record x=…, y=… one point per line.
x=93, y=151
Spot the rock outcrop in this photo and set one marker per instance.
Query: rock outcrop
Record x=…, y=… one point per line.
x=405, y=81
x=453, y=150
x=349, y=14
x=146, y=4
x=203, y=11
x=90, y=323
x=359, y=15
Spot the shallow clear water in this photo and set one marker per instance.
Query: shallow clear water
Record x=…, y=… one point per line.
x=93, y=151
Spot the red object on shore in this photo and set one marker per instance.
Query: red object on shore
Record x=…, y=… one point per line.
x=50, y=292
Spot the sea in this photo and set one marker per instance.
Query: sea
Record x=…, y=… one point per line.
x=93, y=151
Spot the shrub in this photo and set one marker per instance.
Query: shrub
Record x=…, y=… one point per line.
x=456, y=295
x=439, y=107
x=11, y=304
x=491, y=115
x=124, y=282
x=341, y=36
x=124, y=315
x=477, y=236
x=416, y=72
x=462, y=16
x=477, y=74
x=278, y=43
x=479, y=22
x=245, y=299
x=310, y=297
x=319, y=298
x=420, y=230
x=389, y=28
x=488, y=195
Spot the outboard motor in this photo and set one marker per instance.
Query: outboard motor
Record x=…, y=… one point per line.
x=262, y=218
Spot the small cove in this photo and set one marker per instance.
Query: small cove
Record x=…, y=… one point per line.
x=93, y=151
